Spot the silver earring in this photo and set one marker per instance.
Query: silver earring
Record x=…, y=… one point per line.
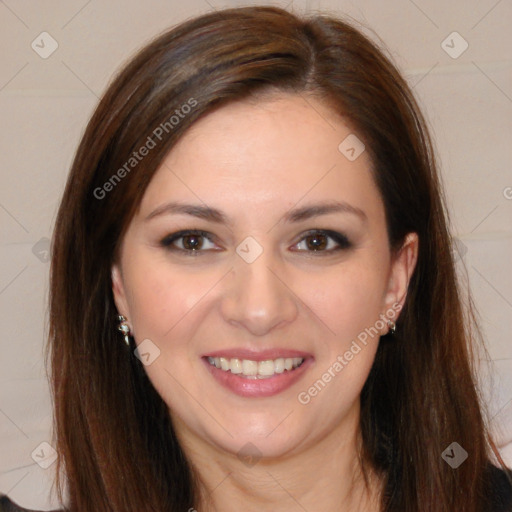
x=124, y=328
x=392, y=327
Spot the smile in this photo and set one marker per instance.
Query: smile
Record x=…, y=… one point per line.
x=250, y=369
x=261, y=374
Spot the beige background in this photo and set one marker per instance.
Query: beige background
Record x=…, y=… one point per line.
x=45, y=104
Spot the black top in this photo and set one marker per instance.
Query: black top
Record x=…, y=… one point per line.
x=499, y=499
x=6, y=505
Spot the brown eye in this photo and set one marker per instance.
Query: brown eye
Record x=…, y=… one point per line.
x=192, y=242
x=316, y=242
x=189, y=242
x=322, y=241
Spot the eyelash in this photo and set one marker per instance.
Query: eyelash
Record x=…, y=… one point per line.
x=342, y=241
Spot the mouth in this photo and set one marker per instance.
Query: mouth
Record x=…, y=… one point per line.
x=251, y=369
x=257, y=374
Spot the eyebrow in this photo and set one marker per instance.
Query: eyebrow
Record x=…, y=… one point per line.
x=292, y=216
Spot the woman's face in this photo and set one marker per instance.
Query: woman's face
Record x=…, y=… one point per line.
x=293, y=268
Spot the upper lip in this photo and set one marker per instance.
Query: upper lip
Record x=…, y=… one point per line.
x=258, y=355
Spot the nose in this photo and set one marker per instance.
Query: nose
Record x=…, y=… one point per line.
x=258, y=297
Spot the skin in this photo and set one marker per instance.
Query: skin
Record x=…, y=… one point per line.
x=255, y=160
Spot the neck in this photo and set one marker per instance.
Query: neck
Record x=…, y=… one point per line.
x=325, y=476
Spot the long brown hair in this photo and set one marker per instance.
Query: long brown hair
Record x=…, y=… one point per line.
x=117, y=449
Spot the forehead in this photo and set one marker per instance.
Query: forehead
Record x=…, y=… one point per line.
x=274, y=151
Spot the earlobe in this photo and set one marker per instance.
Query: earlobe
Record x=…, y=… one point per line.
x=403, y=266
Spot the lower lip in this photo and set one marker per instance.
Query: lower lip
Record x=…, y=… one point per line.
x=269, y=386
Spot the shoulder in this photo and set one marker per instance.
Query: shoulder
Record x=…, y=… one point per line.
x=499, y=489
x=6, y=505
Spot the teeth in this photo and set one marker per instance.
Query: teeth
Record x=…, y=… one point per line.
x=249, y=367
x=235, y=365
x=256, y=369
x=266, y=368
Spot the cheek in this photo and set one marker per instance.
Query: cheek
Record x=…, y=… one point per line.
x=167, y=302
x=161, y=297
x=167, y=306
x=348, y=298
x=348, y=301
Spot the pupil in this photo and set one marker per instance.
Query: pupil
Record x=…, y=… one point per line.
x=193, y=245
x=316, y=243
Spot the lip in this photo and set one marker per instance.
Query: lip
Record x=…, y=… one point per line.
x=260, y=355
x=253, y=388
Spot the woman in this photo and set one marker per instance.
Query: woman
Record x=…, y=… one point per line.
x=255, y=206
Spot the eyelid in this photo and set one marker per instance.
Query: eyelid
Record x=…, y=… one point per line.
x=342, y=241
x=167, y=241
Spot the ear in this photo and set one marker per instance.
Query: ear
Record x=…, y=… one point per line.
x=119, y=292
x=402, y=267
